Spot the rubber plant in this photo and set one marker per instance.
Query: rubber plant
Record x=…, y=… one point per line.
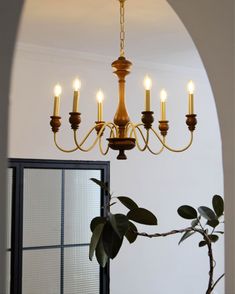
x=109, y=232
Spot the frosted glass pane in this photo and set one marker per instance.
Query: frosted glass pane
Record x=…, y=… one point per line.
x=81, y=276
x=9, y=203
x=82, y=203
x=42, y=207
x=8, y=273
x=41, y=272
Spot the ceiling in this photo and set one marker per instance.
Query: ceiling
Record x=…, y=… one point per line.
x=154, y=32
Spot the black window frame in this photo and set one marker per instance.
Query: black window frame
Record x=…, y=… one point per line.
x=18, y=166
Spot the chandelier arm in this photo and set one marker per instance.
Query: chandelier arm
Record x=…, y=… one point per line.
x=111, y=126
x=134, y=126
x=86, y=137
x=146, y=140
x=172, y=149
x=157, y=152
x=101, y=149
x=61, y=149
x=147, y=143
x=100, y=133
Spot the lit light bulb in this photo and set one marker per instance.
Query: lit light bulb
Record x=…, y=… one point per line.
x=76, y=84
x=163, y=95
x=100, y=96
x=147, y=83
x=191, y=87
x=57, y=90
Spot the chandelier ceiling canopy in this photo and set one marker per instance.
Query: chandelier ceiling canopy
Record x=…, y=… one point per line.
x=122, y=133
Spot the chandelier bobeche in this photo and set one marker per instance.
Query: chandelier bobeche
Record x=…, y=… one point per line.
x=123, y=134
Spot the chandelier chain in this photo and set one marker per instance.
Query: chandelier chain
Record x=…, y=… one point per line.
x=122, y=28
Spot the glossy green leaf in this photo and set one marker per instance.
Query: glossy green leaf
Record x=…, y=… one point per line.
x=187, y=212
x=111, y=241
x=131, y=233
x=96, y=221
x=202, y=243
x=101, y=256
x=142, y=216
x=218, y=205
x=213, y=238
x=213, y=223
x=194, y=223
x=185, y=236
x=120, y=223
x=207, y=213
x=95, y=239
x=128, y=202
x=101, y=184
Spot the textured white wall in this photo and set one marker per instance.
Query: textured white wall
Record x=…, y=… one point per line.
x=160, y=184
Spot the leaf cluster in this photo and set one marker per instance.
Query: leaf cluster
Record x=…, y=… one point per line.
x=211, y=216
x=109, y=232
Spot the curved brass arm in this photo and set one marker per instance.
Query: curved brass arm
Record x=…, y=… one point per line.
x=172, y=149
x=61, y=149
x=146, y=140
x=79, y=146
x=111, y=135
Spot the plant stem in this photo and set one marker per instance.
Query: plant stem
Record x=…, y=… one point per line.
x=206, y=238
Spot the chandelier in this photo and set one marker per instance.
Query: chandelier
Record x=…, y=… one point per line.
x=122, y=133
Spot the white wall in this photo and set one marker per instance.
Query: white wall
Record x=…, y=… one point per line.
x=160, y=184
x=211, y=24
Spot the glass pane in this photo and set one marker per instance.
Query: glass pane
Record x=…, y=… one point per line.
x=82, y=203
x=8, y=277
x=41, y=272
x=81, y=276
x=42, y=207
x=9, y=203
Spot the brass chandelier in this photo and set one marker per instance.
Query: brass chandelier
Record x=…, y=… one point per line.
x=123, y=134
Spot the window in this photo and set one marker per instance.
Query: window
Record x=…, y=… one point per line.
x=52, y=204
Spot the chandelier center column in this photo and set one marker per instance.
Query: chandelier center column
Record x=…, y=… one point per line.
x=121, y=119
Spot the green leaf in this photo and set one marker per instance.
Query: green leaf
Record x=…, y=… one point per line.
x=120, y=223
x=142, y=216
x=194, y=223
x=207, y=213
x=219, y=232
x=111, y=241
x=213, y=238
x=130, y=234
x=96, y=221
x=218, y=205
x=202, y=243
x=95, y=239
x=187, y=212
x=185, y=236
x=128, y=202
x=101, y=184
x=213, y=223
x=101, y=256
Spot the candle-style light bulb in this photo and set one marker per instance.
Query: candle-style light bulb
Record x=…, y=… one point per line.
x=100, y=96
x=191, y=89
x=100, y=99
x=76, y=88
x=163, y=95
x=147, y=83
x=57, y=90
x=147, y=86
x=57, y=93
x=76, y=84
x=163, y=98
